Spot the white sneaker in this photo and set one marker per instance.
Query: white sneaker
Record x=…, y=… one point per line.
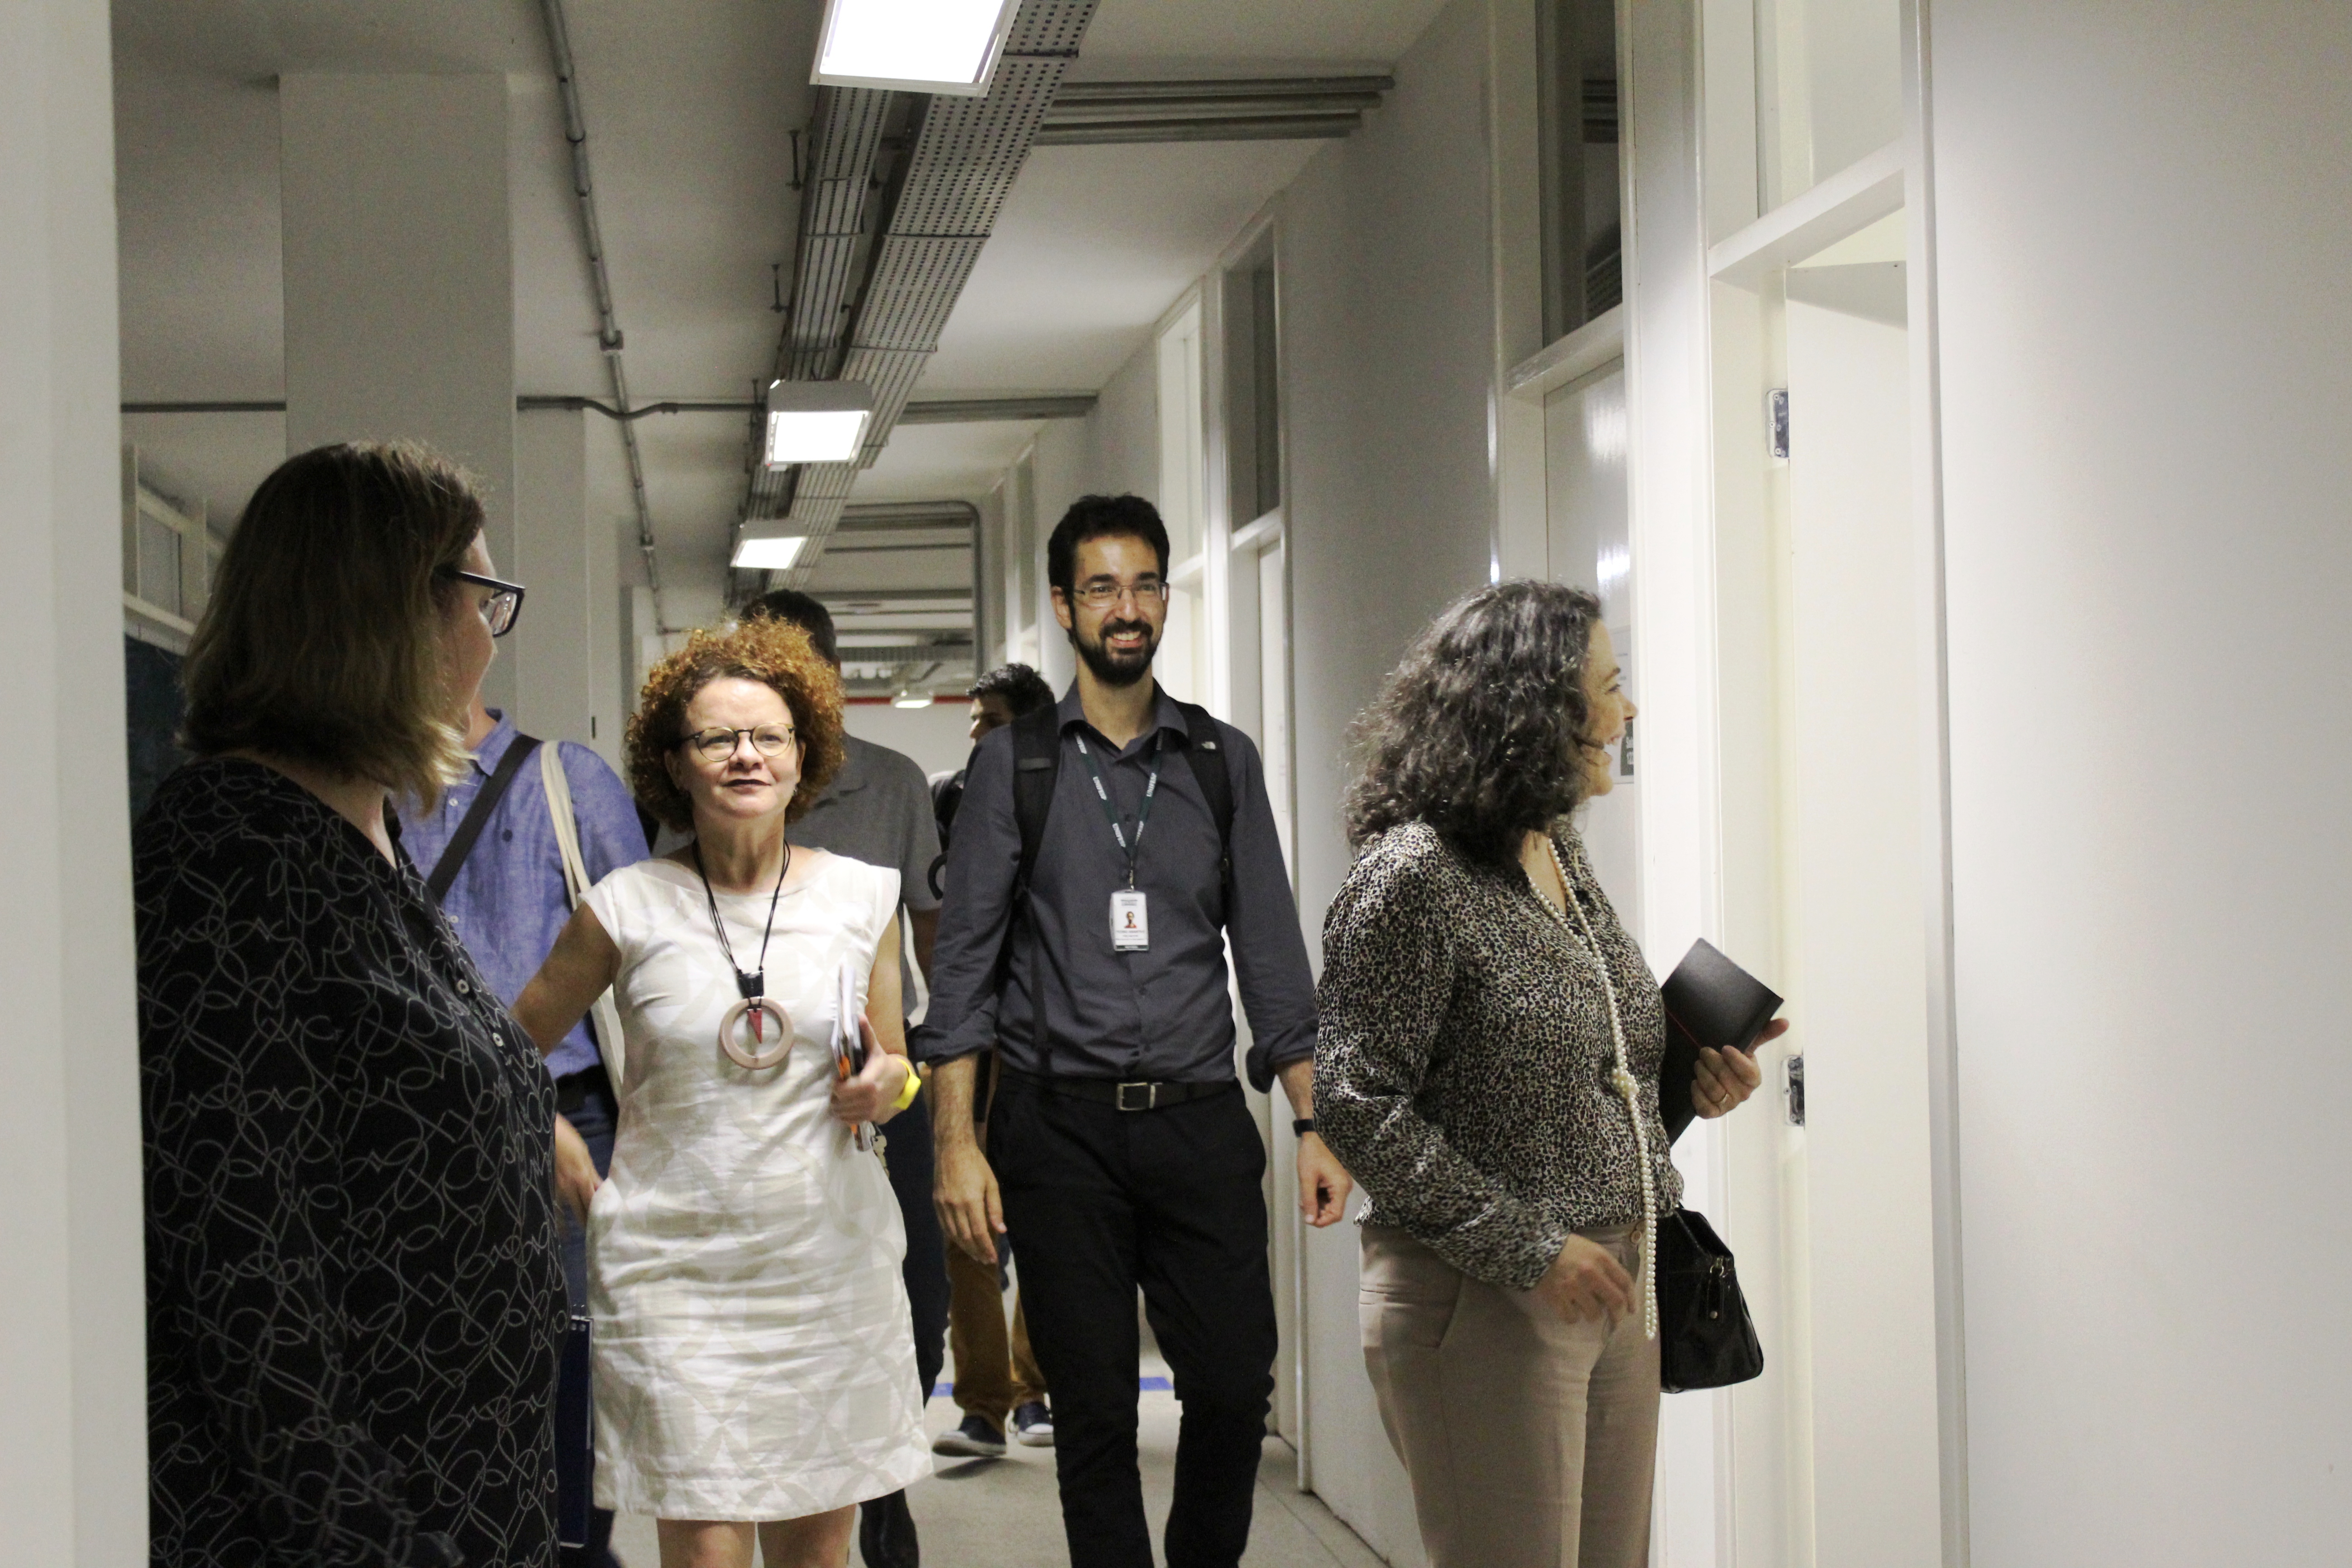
x=1032, y=1426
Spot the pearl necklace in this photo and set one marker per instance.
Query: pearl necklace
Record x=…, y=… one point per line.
x=1620, y=1079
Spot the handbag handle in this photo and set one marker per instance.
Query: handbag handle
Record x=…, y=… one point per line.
x=565, y=821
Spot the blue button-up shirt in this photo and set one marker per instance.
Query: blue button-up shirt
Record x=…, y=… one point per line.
x=507, y=901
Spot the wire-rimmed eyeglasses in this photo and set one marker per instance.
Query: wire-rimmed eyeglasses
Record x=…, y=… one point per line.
x=500, y=610
x=716, y=745
x=1100, y=595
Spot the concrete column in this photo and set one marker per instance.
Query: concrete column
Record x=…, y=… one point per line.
x=73, y=1467
x=565, y=652
x=400, y=275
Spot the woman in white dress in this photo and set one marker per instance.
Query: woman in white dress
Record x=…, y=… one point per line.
x=753, y=1363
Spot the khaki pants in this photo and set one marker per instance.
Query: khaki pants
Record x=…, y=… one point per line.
x=1530, y=1441
x=993, y=1375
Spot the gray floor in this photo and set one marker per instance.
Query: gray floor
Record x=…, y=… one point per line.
x=1003, y=1513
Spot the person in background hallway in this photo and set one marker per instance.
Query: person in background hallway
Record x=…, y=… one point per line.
x=1120, y=1151
x=754, y=1377
x=355, y=1285
x=998, y=697
x=998, y=1386
x=1490, y=1035
x=878, y=810
x=504, y=892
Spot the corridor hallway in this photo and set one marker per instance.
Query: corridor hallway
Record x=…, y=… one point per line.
x=1944, y=399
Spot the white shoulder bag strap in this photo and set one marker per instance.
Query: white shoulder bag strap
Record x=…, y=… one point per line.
x=575, y=883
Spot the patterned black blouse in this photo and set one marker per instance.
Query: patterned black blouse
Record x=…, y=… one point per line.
x=1463, y=1070
x=354, y=1297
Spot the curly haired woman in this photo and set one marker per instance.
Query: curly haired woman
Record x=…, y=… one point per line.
x=1488, y=1068
x=754, y=1369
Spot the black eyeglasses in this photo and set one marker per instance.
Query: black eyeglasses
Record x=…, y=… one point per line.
x=504, y=604
x=717, y=745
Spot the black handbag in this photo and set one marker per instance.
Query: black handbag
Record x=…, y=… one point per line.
x=1706, y=1338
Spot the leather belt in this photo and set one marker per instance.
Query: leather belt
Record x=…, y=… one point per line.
x=1131, y=1095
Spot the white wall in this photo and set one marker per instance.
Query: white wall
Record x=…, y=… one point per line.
x=73, y=1470
x=2141, y=212
x=1387, y=336
x=938, y=737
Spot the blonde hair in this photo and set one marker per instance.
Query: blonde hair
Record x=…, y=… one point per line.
x=777, y=654
x=322, y=641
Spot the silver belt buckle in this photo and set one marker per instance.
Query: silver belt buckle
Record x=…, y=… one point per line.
x=1151, y=1097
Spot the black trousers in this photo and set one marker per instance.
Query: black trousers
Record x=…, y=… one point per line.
x=906, y=1150
x=593, y=1115
x=1104, y=1201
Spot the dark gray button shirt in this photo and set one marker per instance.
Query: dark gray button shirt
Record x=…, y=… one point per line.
x=878, y=809
x=1165, y=1014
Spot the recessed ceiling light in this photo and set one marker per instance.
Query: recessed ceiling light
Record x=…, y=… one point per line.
x=817, y=421
x=770, y=554
x=914, y=45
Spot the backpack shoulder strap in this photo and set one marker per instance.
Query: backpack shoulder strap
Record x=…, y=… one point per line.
x=1207, y=754
x=1036, y=764
x=477, y=817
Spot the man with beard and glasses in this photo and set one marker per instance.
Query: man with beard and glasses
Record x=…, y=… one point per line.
x=1104, y=850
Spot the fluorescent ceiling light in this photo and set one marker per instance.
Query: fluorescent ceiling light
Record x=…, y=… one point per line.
x=817, y=421
x=911, y=699
x=914, y=45
x=770, y=554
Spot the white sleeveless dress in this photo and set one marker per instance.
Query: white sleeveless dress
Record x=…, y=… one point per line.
x=754, y=1357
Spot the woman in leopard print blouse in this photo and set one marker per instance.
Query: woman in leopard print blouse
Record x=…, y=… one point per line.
x=1488, y=1068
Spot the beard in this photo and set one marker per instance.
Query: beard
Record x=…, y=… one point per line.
x=1116, y=668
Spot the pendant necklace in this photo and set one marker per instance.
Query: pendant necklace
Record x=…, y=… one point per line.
x=755, y=1007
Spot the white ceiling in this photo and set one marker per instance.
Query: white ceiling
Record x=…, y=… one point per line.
x=689, y=103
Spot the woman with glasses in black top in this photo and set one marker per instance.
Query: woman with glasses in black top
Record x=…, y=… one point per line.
x=355, y=1301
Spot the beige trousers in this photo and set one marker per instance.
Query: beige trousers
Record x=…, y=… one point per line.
x=1530, y=1441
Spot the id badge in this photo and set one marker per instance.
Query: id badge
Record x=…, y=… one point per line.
x=1130, y=921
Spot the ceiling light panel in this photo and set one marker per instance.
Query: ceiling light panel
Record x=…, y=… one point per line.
x=914, y=45
x=770, y=554
x=817, y=421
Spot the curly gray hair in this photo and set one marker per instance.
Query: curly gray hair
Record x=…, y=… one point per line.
x=1481, y=729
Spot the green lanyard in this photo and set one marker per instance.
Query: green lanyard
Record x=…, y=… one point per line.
x=1110, y=812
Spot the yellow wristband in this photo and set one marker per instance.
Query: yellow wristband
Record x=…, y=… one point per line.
x=914, y=1087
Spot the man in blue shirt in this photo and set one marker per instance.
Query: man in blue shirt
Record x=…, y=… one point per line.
x=509, y=904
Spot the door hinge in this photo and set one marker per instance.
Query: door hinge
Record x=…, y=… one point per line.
x=1796, y=1089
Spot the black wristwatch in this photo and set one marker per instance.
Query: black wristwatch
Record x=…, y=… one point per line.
x=1303, y=1126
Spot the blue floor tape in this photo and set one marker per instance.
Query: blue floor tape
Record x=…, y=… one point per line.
x=1159, y=1385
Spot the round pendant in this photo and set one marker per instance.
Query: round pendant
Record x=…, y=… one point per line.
x=756, y=1033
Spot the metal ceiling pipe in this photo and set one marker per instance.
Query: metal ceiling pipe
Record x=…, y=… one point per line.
x=984, y=410
x=1354, y=91
x=1218, y=128
x=608, y=322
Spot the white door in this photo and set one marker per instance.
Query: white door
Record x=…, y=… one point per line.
x=1586, y=516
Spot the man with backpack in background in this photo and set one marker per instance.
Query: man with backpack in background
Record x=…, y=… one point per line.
x=878, y=809
x=1103, y=851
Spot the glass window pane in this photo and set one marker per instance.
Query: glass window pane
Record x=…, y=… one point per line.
x=159, y=564
x=1577, y=107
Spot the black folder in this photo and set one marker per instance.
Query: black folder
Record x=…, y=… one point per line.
x=1710, y=1001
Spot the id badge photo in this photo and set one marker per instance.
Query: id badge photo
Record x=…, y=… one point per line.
x=1130, y=921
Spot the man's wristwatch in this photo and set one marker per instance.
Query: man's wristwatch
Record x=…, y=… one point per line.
x=1303, y=1126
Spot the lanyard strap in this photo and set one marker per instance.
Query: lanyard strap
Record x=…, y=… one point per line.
x=1110, y=812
